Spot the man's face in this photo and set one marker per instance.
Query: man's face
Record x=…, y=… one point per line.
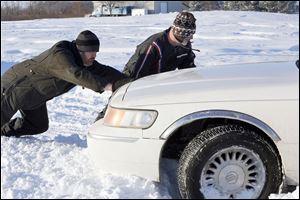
x=184, y=41
x=88, y=58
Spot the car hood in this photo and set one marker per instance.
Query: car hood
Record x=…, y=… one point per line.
x=242, y=82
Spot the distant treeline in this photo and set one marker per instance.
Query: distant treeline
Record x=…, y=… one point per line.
x=15, y=10
x=261, y=6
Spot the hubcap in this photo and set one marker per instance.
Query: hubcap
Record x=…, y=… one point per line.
x=233, y=173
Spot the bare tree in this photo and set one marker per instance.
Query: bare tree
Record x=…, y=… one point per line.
x=44, y=9
x=204, y=5
x=5, y=9
x=31, y=8
x=110, y=5
x=10, y=9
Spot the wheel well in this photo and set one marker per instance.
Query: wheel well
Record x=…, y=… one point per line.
x=179, y=139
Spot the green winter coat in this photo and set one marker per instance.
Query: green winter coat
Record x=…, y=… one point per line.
x=32, y=82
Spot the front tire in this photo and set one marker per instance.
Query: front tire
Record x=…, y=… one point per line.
x=229, y=162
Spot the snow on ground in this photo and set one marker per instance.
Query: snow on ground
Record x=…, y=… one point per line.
x=56, y=164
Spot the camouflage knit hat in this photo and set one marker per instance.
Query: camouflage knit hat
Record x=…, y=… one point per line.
x=87, y=42
x=184, y=25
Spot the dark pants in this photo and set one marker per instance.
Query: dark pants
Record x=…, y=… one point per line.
x=101, y=114
x=32, y=121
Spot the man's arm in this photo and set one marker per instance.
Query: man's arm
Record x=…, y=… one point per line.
x=113, y=76
x=120, y=83
x=144, y=62
x=188, y=62
x=66, y=69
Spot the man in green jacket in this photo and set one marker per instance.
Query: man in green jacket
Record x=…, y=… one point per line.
x=28, y=85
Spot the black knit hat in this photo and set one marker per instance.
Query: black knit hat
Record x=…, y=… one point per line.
x=184, y=25
x=87, y=42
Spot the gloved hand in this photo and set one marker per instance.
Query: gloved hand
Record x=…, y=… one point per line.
x=108, y=87
x=120, y=83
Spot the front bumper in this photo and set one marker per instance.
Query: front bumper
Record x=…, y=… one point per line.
x=124, y=151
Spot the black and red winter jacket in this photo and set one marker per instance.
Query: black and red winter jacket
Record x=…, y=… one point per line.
x=156, y=55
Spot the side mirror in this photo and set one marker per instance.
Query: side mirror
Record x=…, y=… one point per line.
x=297, y=63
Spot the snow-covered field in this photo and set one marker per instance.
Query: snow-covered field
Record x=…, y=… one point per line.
x=55, y=164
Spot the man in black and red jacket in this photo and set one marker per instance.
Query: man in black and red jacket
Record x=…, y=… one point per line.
x=165, y=51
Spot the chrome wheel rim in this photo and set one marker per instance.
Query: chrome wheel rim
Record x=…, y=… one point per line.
x=233, y=173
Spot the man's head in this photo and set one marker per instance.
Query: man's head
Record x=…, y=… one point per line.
x=184, y=27
x=88, y=45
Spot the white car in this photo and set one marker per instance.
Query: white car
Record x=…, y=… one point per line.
x=234, y=129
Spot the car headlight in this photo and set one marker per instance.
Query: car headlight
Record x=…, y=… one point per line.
x=128, y=118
